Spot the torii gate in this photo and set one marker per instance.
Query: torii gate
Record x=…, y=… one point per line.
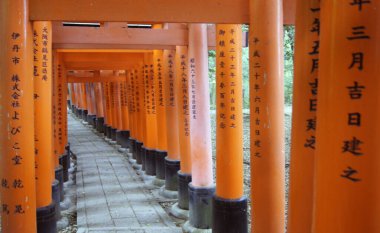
x=341, y=184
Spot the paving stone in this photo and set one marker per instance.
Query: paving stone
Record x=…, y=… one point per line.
x=111, y=197
x=126, y=222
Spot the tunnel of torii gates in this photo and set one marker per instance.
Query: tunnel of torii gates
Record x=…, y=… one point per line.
x=147, y=90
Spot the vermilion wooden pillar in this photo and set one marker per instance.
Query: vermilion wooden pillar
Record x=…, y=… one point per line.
x=130, y=92
x=113, y=110
x=140, y=85
x=202, y=188
x=267, y=116
x=18, y=190
x=124, y=105
x=150, y=143
x=162, y=145
x=59, y=147
x=181, y=208
x=229, y=204
x=72, y=95
x=347, y=151
x=117, y=99
x=304, y=117
x=108, y=110
x=77, y=99
x=172, y=161
x=84, y=103
x=42, y=112
x=91, y=104
x=99, y=122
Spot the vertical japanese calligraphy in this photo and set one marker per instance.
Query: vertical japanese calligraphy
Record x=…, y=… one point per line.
x=229, y=112
x=304, y=116
x=42, y=57
x=17, y=167
x=150, y=101
x=182, y=83
x=160, y=99
x=171, y=91
x=267, y=116
x=200, y=132
x=347, y=138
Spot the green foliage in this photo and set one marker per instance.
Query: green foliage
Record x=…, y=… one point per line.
x=288, y=69
x=288, y=63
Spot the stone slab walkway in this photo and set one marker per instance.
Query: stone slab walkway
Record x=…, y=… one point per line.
x=111, y=196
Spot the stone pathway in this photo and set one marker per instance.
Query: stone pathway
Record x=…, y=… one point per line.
x=111, y=196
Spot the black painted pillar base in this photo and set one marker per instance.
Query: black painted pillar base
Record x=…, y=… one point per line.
x=143, y=157
x=109, y=132
x=171, y=174
x=118, y=137
x=56, y=198
x=69, y=103
x=150, y=162
x=68, y=157
x=200, y=206
x=105, y=127
x=113, y=134
x=160, y=164
x=99, y=124
x=229, y=215
x=139, y=152
x=132, y=147
x=91, y=119
x=59, y=177
x=63, y=161
x=84, y=114
x=126, y=143
x=183, y=190
x=79, y=113
x=46, y=222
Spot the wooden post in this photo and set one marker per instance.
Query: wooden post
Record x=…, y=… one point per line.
x=58, y=123
x=91, y=104
x=172, y=161
x=183, y=112
x=347, y=152
x=132, y=114
x=108, y=109
x=162, y=145
x=125, y=126
x=112, y=94
x=84, y=101
x=18, y=190
x=139, y=87
x=119, y=125
x=230, y=205
x=202, y=188
x=99, y=107
x=267, y=116
x=150, y=143
x=304, y=117
x=42, y=111
x=77, y=99
x=72, y=95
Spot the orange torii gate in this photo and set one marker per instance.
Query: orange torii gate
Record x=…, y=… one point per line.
x=345, y=171
x=88, y=63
